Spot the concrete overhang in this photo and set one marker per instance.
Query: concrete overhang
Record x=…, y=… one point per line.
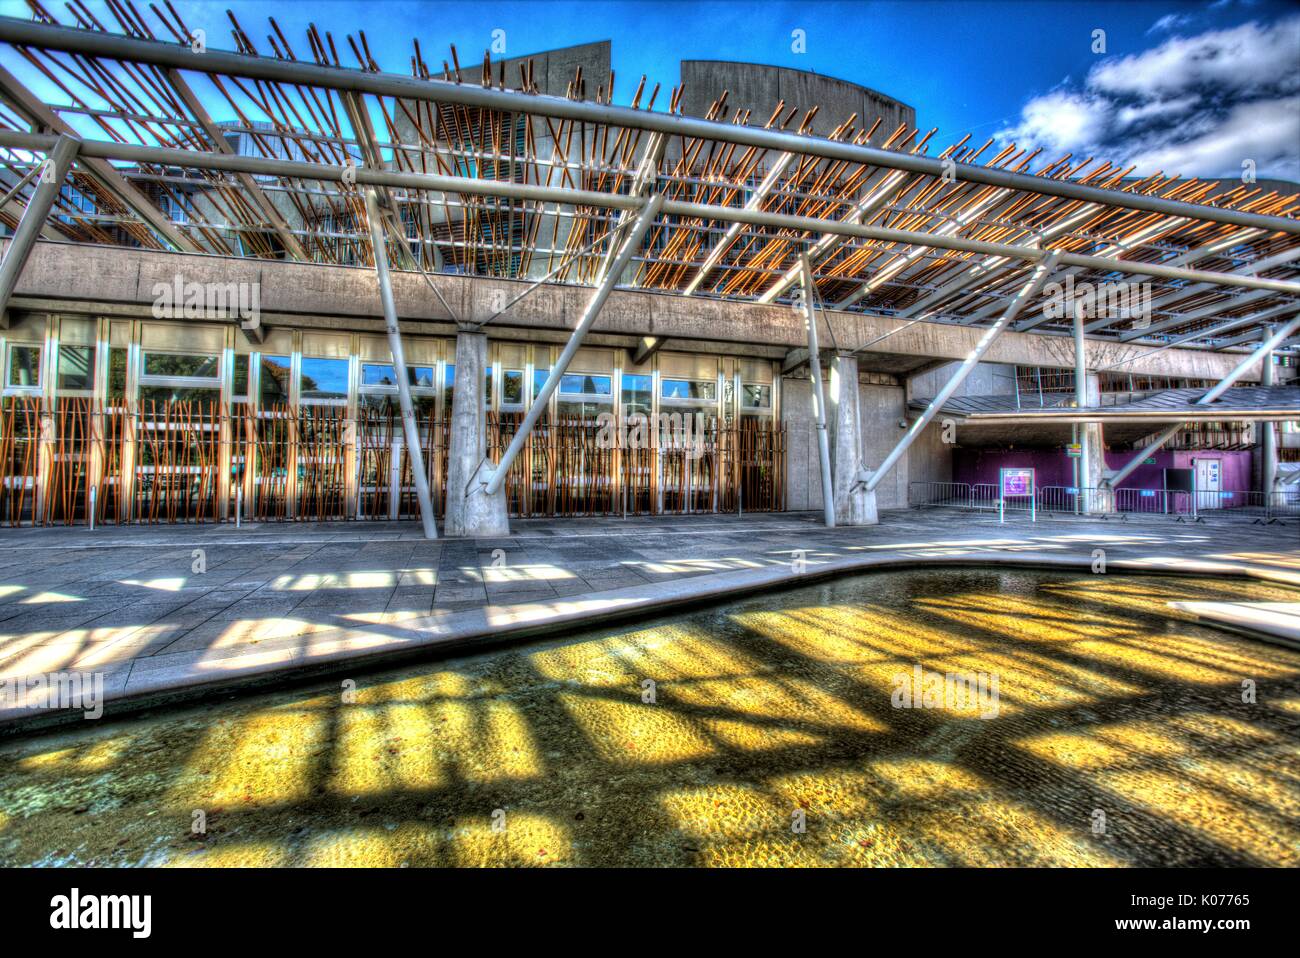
x=1241, y=404
x=106, y=280
x=1203, y=414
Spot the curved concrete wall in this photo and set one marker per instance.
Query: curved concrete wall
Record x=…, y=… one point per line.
x=758, y=87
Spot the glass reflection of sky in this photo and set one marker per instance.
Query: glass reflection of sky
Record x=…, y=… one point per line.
x=585, y=385
x=325, y=376
x=383, y=374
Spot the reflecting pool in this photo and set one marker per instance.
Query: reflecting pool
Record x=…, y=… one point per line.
x=932, y=717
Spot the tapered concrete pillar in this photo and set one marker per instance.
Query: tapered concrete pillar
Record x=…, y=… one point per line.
x=854, y=506
x=471, y=510
x=1266, y=442
x=1092, y=462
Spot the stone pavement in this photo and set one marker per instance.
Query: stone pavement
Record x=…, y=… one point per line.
x=159, y=610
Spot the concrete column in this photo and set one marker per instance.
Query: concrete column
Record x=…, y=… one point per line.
x=854, y=506
x=1092, y=461
x=471, y=510
x=45, y=452
x=1267, y=439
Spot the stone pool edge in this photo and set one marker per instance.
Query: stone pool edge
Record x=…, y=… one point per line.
x=185, y=678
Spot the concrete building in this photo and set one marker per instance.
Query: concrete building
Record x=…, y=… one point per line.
x=130, y=395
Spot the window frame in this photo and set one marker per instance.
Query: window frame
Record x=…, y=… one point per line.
x=17, y=390
x=336, y=400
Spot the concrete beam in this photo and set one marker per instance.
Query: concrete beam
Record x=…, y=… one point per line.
x=794, y=359
x=88, y=278
x=648, y=346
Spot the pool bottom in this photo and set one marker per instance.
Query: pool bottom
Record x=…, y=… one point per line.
x=771, y=730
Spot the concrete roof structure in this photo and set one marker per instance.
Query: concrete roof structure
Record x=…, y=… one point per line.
x=890, y=231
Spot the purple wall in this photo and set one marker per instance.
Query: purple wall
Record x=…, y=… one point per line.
x=1234, y=472
x=1054, y=468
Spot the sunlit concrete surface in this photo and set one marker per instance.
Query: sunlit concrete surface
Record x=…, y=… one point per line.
x=1276, y=621
x=156, y=610
x=1112, y=708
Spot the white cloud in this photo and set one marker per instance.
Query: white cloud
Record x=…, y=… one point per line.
x=1265, y=131
x=1242, y=59
x=1169, y=23
x=1195, y=106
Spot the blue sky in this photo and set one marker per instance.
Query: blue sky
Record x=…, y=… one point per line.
x=1024, y=69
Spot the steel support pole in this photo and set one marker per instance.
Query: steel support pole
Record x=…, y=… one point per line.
x=1264, y=350
x=819, y=395
x=1084, y=462
x=649, y=211
x=409, y=428
x=1027, y=292
x=48, y=183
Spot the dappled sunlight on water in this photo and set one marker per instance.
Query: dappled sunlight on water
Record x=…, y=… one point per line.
x=761, y=732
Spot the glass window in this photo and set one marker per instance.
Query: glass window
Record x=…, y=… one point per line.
x=274, y=387
x=76, y=367
x=24, y=366
x=167, y=394
x=176, y=364
x=324, y=379
x=387, y=404
x=697, y=389
x=754, y=396
x=578, y=409
x=383, y=374
x=116, y=373
x=512, y=387
x=580, y=384
x=487, y=386
x=448, y=387
x=637, y=394
x=378, y=374
x=539, y=380
x=240, y=383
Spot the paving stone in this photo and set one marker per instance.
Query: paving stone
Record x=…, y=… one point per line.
x=299, y=583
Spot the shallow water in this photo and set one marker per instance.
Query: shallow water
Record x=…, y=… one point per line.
x=1120, y=737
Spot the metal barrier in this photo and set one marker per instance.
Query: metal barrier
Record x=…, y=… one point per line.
x=1153, y=502
x=929, y=495
x=979, y=497
x=1284, y=505
x=1059, y=500
x=1105, y=503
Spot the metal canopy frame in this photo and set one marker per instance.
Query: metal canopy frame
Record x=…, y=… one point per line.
x=1261, y=353
x=474, y=177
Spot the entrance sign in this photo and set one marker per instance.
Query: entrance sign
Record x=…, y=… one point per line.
x=1016, y=484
